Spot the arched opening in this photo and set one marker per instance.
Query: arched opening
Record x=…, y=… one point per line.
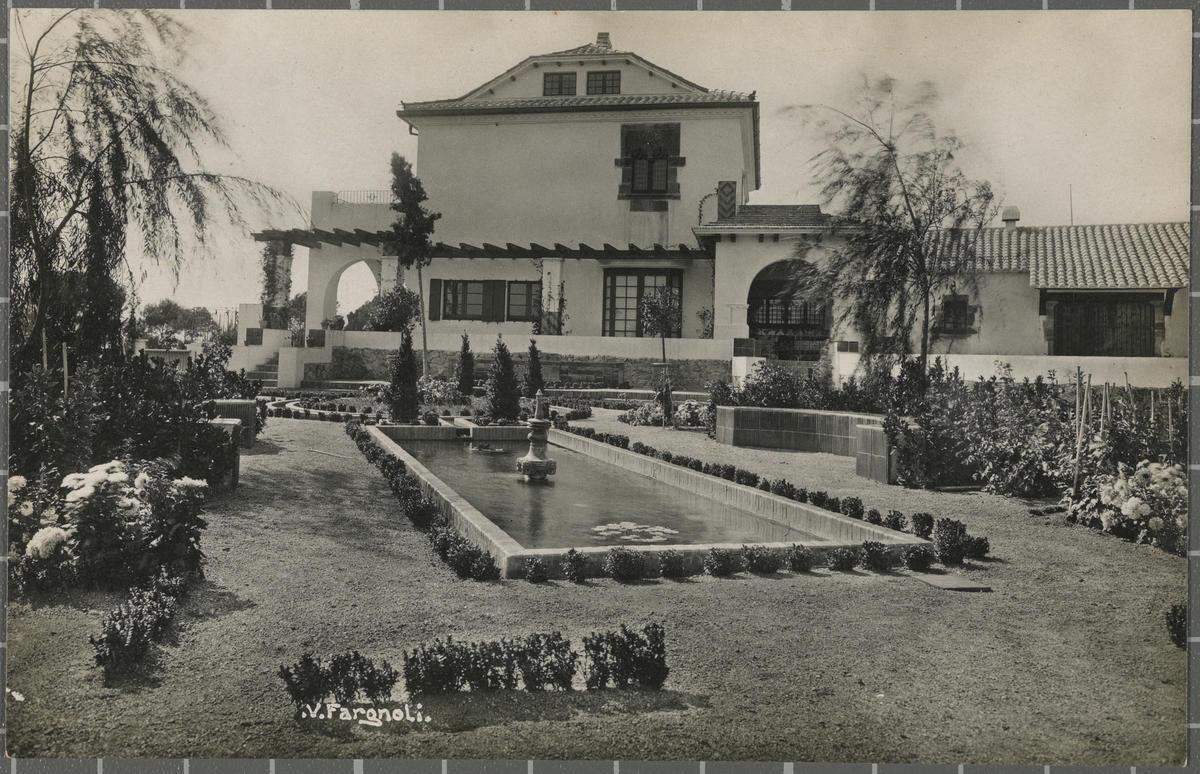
x=786, y=321
x=357, y=285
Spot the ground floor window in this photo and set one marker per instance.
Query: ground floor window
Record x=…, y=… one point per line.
x=624, y=290
x=1116, y=325
x=462, y=300
x=524, y=300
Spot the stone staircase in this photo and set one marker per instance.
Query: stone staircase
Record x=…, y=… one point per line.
x=267, y=373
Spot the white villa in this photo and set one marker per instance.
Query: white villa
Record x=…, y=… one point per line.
x=576, y=181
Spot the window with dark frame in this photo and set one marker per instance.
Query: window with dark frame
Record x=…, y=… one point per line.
x=788, y=312
x=524, y=301
x=462, y=300
x=958, y=316
x=624, y=290
x=650, y=159
x=604, y=82
x=558, y=84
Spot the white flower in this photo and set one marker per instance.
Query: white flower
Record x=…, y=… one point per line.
x=82, y=493
x=107, y=467
x=127, y=503
x=72, y=480
x=95, y=479
x=186, y=482
x=1155, y=523
x=142, y=479
x=44, y=541
x=26, y=509
x=118, y=478
x=16, y=483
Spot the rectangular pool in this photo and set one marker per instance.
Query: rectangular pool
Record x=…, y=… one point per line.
x=588, y=502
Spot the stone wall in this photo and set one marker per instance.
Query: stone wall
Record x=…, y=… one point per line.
x=354, y=363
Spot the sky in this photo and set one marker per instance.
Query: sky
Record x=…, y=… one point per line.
x=1092, y=103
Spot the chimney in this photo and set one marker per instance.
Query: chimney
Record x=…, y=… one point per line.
x=1011, y=216
x=603, y=41
x=726, y=199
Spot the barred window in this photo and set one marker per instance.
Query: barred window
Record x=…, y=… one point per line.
x=958, y=316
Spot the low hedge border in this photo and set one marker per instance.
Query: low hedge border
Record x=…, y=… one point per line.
x=956, y=543
x=461, y=555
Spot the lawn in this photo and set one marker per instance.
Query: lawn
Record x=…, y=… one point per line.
x=1067, y=661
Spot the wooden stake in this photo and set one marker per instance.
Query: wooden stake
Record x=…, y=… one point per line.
x=45, y=354
x=66, y=386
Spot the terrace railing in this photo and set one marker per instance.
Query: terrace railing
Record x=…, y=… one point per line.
x=364, y=197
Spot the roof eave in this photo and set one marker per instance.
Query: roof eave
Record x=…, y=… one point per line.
x=404, y=113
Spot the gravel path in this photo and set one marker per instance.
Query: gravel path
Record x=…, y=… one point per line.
x=1066, y=662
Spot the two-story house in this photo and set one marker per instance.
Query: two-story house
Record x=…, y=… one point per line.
x=576, y=182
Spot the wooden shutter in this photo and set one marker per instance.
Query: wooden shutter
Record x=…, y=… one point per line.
x=435, y=299
x=495, y=298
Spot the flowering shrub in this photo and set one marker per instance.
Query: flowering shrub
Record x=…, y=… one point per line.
x=648, y=413
x=438, y=391
x=1152, y=499
x=690, y=413
x=104, y=526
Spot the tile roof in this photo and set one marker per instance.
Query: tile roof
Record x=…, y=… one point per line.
x=580, y=101
x=760, y=216
x=1132, y=255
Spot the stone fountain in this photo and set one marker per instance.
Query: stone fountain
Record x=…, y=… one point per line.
x=535, y=465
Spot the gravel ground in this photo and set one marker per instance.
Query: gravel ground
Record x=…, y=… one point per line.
x=1067, y=661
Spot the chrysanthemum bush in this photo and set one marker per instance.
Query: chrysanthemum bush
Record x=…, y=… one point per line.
x=116, y=524
x=1150, y=500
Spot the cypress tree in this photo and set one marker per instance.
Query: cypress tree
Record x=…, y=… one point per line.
x=533, y=377
x=402, y=396
x=466, y=368
x=503, y=396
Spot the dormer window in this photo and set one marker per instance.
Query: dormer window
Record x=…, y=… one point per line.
x=604, y=82
x=558, y=84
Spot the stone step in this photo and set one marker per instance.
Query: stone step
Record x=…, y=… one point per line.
x=262, y=374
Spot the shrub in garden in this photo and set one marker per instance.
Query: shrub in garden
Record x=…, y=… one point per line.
x=833, y=504
x=534, y=382
x=690, y=413
x=819, y=499
x=895, y=520
x=765, y=484
x=502, y=393
x=976, y=546
x=723, y=562
x=536, y=570
x=305, y=681
x=919, y=558
x=874, y=517
x=1177, y=625
x=745, y=477
x=783, y=488
x=538, y=661
x=762, y=560
x=464, y=371
x=800, y=559
x=949, y=539
x=574, y=566
x=128, y=631
x=546, y=661
x=853, y=507
x=727, y=472
x=670, y=564
x=626, y=658
x=842, y=559
x=401, y=394
x=922, y=525
x=874, y=556
x=623, y=564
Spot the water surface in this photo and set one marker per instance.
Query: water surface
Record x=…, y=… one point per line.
x=588, y=502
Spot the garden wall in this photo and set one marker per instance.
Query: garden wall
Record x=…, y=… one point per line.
x=831, y=432
x=363, y=363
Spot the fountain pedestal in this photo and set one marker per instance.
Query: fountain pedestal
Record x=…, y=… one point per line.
x=535, y=465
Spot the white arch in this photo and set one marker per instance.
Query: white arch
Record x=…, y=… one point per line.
x=325, y=268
